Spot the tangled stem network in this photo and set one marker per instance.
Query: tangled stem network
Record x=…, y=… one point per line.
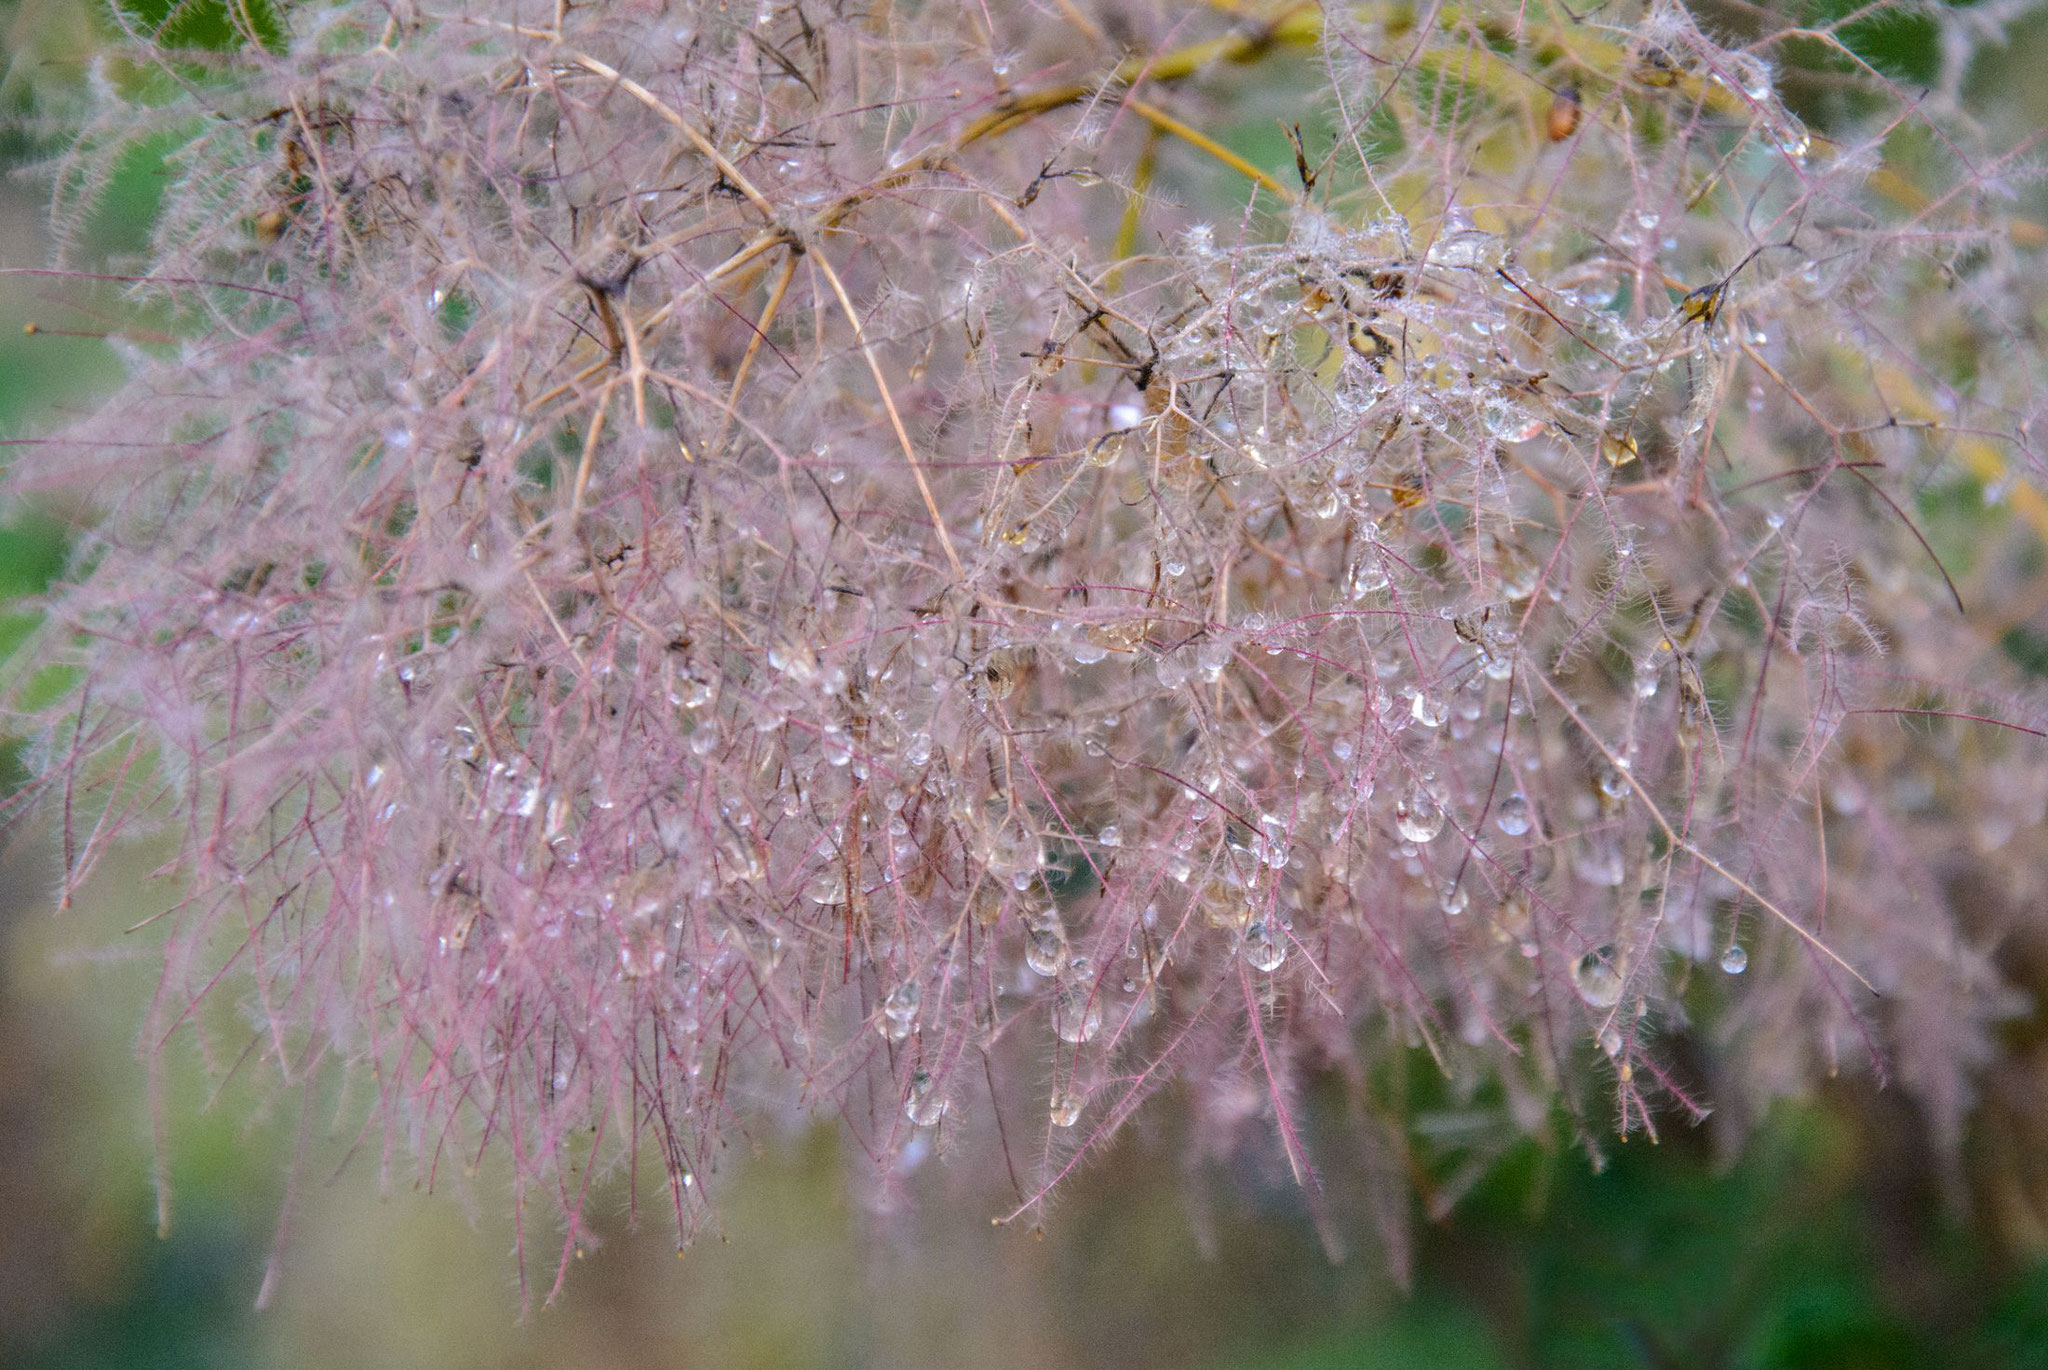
x=685, y=566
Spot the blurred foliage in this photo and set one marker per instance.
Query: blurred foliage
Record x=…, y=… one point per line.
x=212, y=25
x=182, y=1307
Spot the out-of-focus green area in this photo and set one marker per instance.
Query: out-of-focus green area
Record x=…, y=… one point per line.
x=1826, y=1239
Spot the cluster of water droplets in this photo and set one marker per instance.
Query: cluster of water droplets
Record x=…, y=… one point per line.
x=1273, y=610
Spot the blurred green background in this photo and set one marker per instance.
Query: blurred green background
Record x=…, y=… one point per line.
x=1824, y=1238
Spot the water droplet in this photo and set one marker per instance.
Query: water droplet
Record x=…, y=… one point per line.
x=1510, y=422
x=925, y=1104
x=1417, y=816
x=1755, y=77
x=1110, y=836
x=1454, y=899
x=1735, y=960
x=793, y=659
x=1066, y=1108
x=1515, y=815
x=1368, y=576
x=1470, y=248
x=1597, y=980
x=1614, y=782
x=1792, y=138
x=1045, y=944
x=1518, y=572
x=1610, y=1041
x=899, y=1010
x=1263, y=951
x=1430, y=713
x=509, y=790
x=1077, y=1012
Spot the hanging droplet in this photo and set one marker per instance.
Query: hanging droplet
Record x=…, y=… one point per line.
x=1077, y=1012
x=1368, y=576
x=1454, y=900
x=1518, y=572
x=1470, y=249
x=1066, y=1108
x=1610, y=1041
x=1263, y=951
x=1515, y=815
x=1430, y=713
x=1597, y=980
x=1614, y=781
x=1417, y=816
x=1045, y=944
x=925, y=1105
x=1510, y=422
x=1735, y=960
x=509, y=790
x=1755, y=77
x=1647, y=673
x=899, y=1010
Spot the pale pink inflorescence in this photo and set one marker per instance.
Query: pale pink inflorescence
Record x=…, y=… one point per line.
x=695, y=566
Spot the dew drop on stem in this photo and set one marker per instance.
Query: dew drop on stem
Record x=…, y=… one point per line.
x=900, y=1009
x=1045, y=944
x=1515, y=815
x=1077, y=1012
x=1264, y=950
x=1597, y=979
x=924, y=1105
x=1417, y=816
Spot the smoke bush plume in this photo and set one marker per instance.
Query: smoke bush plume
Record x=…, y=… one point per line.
x=685, y=565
